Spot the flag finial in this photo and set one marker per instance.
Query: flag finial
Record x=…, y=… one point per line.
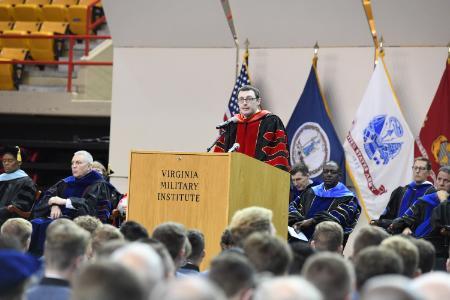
x=316, y=52
x=247, y=43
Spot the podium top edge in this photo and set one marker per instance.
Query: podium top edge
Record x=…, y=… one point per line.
x=134, y=151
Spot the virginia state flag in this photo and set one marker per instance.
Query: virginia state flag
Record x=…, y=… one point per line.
x=434, y=138
x=380, y=146
x=311, y=135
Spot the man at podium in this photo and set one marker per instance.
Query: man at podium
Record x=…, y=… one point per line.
x=255, y=132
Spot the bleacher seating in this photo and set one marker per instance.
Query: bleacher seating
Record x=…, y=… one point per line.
x=39, y=17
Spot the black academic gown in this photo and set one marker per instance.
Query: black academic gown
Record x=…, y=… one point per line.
x=19, y=192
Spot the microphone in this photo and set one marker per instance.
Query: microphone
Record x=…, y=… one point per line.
x=226, y=123
x=234, y=148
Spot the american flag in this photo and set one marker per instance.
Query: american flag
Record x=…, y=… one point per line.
x=243, y=79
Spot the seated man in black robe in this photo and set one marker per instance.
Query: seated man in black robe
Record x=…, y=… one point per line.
x=16, y=187
x=329, y=201
x=86, y=192
x=431, y=208
x=404, y=196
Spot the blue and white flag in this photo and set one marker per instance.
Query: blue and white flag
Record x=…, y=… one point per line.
x=311, y=135
x=379, y=147
x=243, y=79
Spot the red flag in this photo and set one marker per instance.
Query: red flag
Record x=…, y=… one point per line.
x=434, y=138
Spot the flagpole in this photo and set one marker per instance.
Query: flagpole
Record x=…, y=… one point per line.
x=236, y=43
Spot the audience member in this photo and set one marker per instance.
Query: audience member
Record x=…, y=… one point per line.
x=407, y=251
x=108, y=248
x=332, y=274
x=234, y=274
x=102, y=235
x=10, y=243
x=193, y=261
x=427, y=254
x=404, y=196
x=287, y=288
x=226, y=241
x=249, y=220
x=142, y=260
x=173, y=236
x=20, y=229
x=16, y=187
x=328, y=236
x=188, y=288
x=390, y=287
x=107, y=281
x=268, y=253
x=88, y=223
x=15, y=270
x=375, y=261
x=329, y=201
x=300, y=253
x=133, y=231
x=368, y=236
x=161, y=250
x=434, y=285
x=65, y=251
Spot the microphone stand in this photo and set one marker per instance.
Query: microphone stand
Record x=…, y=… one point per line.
x=221, y=133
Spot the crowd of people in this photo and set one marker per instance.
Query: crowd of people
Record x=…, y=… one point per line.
x=64, y=243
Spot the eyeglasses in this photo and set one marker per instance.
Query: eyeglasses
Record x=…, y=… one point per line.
x=419, y=169
x=248, y=100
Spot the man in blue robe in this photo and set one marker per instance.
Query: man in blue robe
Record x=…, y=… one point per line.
x=423, y=219
x=329, y=201
x=16, y=187
x=404, y=196
x=86, y=192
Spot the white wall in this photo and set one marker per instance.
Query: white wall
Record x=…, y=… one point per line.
x=171, y=99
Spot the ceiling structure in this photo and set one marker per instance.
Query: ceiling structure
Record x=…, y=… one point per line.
x=277, y=24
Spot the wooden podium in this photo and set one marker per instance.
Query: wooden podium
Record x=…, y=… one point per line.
x=203, y=190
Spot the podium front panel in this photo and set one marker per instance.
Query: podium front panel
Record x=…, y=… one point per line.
x=188, y=188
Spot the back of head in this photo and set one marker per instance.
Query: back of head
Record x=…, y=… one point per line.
x=197, y=241
x=232, y=272
x=166, y=259
x=368, y=236
x=328, y=236
x=64, y=242
x=133, y=231
x=104, y=234
x=11, y=243
x=226, y=240
x=107, y=281
x=249, y=220
x=407, y=251
x=173, y=236
x=188, y=288
x=300, y=253
x=143, y=261
x=374, y=261
x=20, y=229
x=390, y=287
x=287, y=288
x=88, y=223
x=427, y=254
x=268, y=253
x=332, y=274
x=434, y=285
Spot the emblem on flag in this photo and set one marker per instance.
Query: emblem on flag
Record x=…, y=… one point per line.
x=311, y=146
x=381, y=139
